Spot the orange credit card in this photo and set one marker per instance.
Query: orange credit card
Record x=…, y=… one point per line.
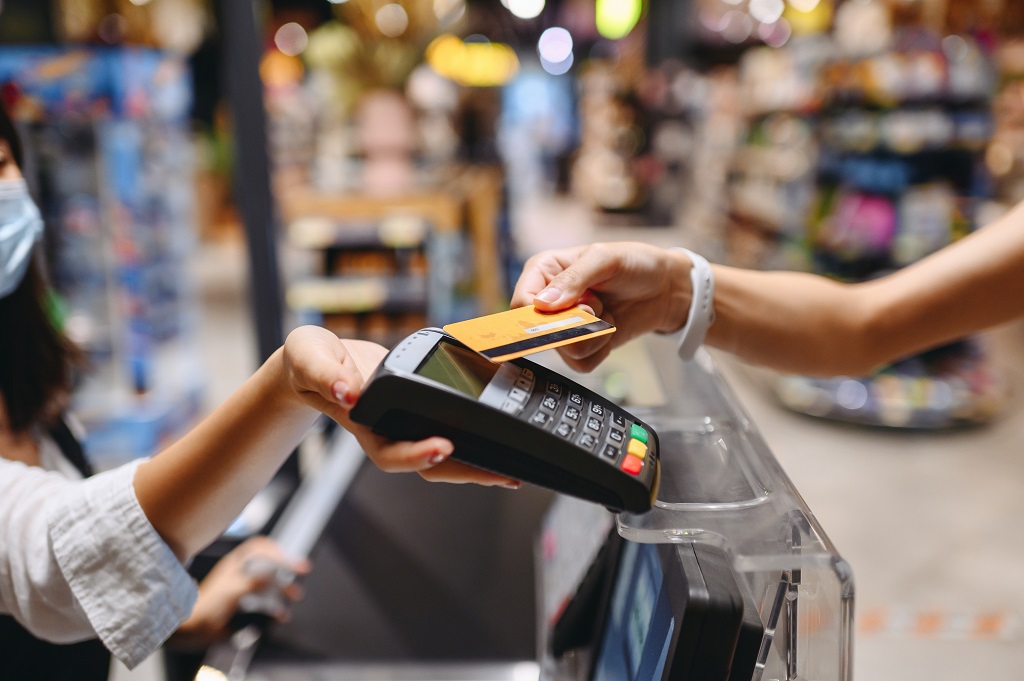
x=524, y=331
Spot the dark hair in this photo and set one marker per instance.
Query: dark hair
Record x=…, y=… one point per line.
x=36, y=358
x=9, y=133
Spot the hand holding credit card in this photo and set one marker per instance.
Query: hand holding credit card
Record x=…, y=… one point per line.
x=525, y=330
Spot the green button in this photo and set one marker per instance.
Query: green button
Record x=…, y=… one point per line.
x=638, y=433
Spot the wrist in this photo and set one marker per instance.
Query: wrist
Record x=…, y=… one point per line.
x=679, y=293
x=281, y=380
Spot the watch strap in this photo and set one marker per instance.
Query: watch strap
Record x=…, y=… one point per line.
x=702, y=312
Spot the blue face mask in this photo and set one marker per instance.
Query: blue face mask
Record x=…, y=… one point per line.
x=20, y=228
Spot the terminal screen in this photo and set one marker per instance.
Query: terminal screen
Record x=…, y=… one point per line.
x=458, y=368
x=638, y=635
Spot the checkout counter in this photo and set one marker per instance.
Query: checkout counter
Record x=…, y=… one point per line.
x=728, y=578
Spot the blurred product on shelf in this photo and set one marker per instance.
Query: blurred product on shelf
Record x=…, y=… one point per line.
x=949, y=386
x=372, y=280
x=612, y=137
x=381, y=266
x=1005, y=155
x=864, y=151
x=902, y=132
x=110, y=156
x=771, y=183
x=902, y=136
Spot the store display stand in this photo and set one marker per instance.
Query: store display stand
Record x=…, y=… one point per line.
x=899, y=177
x=866, y=160
x=110, y=161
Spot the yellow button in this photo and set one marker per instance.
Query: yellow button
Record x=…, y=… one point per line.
x=637, y=449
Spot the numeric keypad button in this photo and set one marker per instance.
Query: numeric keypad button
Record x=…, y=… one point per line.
x=519, y=395
x=541, y=418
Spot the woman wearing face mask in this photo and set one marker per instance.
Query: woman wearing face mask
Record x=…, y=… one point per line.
x=102, y=557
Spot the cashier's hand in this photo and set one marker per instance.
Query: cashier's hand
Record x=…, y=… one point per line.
x=328, y=373
x=247, y=569
x=637, y=287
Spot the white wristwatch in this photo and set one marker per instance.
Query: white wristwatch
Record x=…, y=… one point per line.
x=702, y=311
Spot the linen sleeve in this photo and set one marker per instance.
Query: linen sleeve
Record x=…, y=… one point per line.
x=79, y=559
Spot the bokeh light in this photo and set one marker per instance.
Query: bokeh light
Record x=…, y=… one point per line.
x=525, y=9
x=557, y=68
x=392, y=20
x=616, y=18
x=449, y=11
x=474, y=64
x=291, y=39
x=279, y=70
x=775, y=34
x=766, y=11
x=804, y=5
x=737, y=26
x=555, y=45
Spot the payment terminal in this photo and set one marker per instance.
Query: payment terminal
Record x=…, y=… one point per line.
x=517, y=419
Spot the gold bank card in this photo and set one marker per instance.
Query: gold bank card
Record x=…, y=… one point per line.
x=524, y=331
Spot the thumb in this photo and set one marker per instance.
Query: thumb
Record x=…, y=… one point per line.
x=594, y=266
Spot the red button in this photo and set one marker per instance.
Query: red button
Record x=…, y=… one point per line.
x=632, y=465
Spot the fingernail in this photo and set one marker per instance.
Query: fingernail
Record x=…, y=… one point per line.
x=549, y=295
x=442, y=452
x=512, y=485
x=340, y=390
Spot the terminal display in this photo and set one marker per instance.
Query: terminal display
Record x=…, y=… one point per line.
x=678, y=613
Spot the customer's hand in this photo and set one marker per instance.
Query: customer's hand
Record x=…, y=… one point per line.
x=328, y=373
x=635, y=286
x=248, y=569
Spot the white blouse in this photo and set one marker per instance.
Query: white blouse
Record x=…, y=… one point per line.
x=79, y=559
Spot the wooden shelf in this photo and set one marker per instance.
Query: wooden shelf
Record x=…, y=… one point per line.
x=469, y=202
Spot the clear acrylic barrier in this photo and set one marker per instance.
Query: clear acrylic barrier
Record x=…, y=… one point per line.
x=722, y=485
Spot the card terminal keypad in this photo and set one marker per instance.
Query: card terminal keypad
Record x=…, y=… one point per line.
x=597, y=427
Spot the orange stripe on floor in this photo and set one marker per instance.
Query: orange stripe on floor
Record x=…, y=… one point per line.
x=930, y=623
